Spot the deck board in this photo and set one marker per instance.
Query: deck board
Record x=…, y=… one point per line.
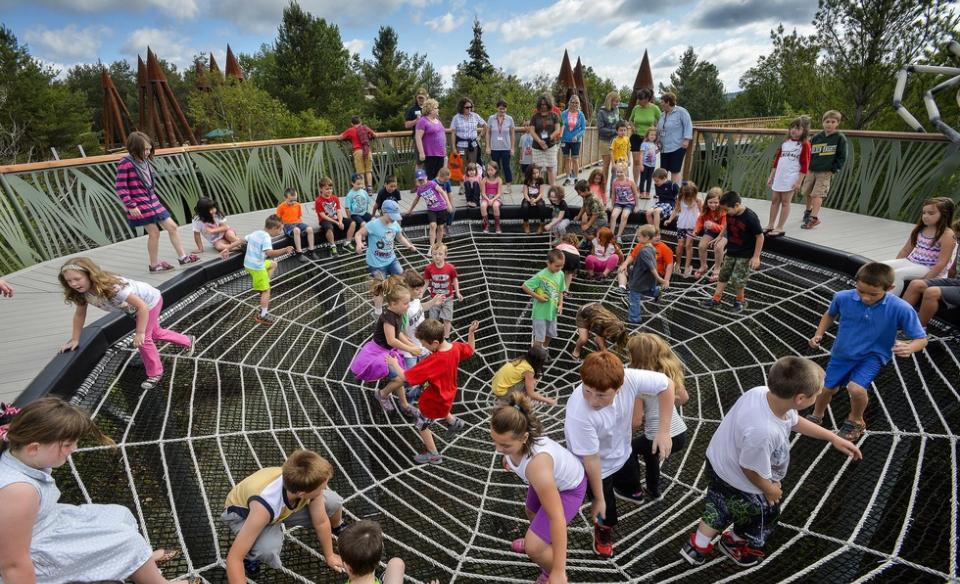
x=36, y=321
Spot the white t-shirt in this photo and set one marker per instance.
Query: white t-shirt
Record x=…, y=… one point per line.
x=414, y=318
x=567, y=468
x=150, y=296
x=788, y=166
x=651, y=418
x=607, y=431
x=258, y=243
x=200, y=227
x=752, y=437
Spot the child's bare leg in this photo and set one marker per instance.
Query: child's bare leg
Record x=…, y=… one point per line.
x=171, y=228
x=394, y=572
x=718, y=248
x=624, y=218
x=568, y=277
x=539, y=551
x=496, y=210
x=297, y=245
x=823, y=400
x=774, y=210
x=858, y=401
x=621, y=279
x=446, y=329
x=337, y=518
x=427, y=436
x=785, y=199
x=707, y=530
x=689, y=246
x=815, y=203
x=395, y=386
x=433, y=233
x=264, y=301
x=483, y=210
x=329, y=235
x=351, y=230
x=153, y=243
x=311, y=241
x=581, y=341
x=702, y=250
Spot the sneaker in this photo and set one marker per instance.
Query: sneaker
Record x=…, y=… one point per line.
x=264, y=320
x=739, y=551
x=302, y=258
x=621, y=290
x=414, y=392
x=151, y=382
x=161, y=267
x=739, y=305
x=338, y=530
x=386, y=401
x=710, y=303
x=349, y=246
x=251, y=567
x=188, y=352
x=190, y=258
x=311, y=253
x=455, y=428
x=519, y=545
x=544, y=578
x=806, y=216
x=603, y=540
x=333, y=250
x=566, y=181
x=813, y=222
x=639, y=496
x=619, y=240
x=499, y=230
x=693, y=553
x=428, y=458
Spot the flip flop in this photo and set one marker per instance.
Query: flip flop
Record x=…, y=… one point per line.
x=167, y=556
x=774, y=233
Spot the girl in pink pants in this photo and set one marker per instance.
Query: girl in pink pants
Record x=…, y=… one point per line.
x=85, y=283
x=605, y=254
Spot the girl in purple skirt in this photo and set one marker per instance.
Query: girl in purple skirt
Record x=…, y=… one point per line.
x=388, y=337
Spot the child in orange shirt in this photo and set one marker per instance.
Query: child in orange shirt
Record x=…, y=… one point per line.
x=291, y=213
x=664, y=264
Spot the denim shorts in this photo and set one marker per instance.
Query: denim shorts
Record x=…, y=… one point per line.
x=392, y=269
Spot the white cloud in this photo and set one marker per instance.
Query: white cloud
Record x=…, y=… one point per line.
x=68, y=44
x=446, y=23
x=180, y=9
x=166, y=44
x=354, y=46
x=633, y=36
x=549, y=21
x=264, y=16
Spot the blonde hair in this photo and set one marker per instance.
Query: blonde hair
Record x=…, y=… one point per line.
x=832, y=115
x=573, y=98
x=429, y=106
x=305, y=471
x=650, y=351
x=102, y=283
x=441, y=247
x=608, y=100
x=387, y=287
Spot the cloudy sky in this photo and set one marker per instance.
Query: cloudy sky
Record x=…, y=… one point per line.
x=525, y=38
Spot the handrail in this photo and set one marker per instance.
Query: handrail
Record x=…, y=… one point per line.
x=921, y=136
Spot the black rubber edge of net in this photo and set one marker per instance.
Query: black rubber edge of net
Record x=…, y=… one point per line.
x=64, y=374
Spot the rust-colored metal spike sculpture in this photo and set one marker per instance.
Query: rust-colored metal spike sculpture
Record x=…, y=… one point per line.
x=142, y=97
x=164, y=107
x=114, y=111
x=233, y=67
x=203, y=83
x=644, y=80
x=565, y=79
x=581, y=88
x=215, y=69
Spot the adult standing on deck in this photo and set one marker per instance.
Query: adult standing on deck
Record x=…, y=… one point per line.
x=545, y=128
x=574, y=127
x=644, y=116
x=607, y=117
x=430, y=138
x=465, y=129
x=414, y=112
x=675, y=132
x=501, y=136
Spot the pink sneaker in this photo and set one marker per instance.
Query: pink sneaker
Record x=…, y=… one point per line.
x=189, y=259
x=519, y=545
x=161, y=267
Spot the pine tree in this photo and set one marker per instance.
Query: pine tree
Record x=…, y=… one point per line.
x=697, y=86
x=478, y=65
x=392, y=77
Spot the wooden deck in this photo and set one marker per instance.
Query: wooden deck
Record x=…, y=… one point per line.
x=36, y=321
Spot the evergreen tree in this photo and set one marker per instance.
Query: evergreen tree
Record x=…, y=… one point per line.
x=392, y=78
x=697, y=86
x=85, y=79
x=38, y=112
x=788, y=79
x=431, y=79
x=478, y=65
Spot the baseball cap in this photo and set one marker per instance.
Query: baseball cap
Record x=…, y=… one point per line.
x=391, y=208
x=420, y=174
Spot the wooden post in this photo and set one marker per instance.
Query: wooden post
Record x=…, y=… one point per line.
x=687, y=169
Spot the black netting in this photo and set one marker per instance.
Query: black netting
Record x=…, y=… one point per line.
x=251, y=395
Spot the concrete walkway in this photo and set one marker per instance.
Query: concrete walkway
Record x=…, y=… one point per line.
x=36, y=321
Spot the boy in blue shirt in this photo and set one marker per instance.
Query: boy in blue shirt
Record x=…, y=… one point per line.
x=358, y=207
x=870, y=320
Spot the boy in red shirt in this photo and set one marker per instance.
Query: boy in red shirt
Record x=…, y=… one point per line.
x=442, y=279
x=664, y=264
x=438, y=372
x=360, y=136
x=329, y=212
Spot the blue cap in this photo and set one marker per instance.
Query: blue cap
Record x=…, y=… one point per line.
x=420, y=174
x=391, y=208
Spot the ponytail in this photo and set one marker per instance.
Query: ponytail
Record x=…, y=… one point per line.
x=516, y=418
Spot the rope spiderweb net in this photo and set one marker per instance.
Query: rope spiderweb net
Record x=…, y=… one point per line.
x=249, y=396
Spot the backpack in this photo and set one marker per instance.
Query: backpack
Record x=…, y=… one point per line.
x=455, y=165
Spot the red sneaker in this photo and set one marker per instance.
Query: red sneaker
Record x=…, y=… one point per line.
x=739, y=551
x=603, y=540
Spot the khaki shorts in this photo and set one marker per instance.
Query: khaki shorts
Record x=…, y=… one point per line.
x=261, y=278
x=816, y=184
x=361, y=163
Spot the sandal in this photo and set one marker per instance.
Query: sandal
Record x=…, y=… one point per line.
x=714, y=276
x=699, y=273
x=166, y=556
x=818, y=420
x=851, y=430
x=161, y=267
x=775, y=233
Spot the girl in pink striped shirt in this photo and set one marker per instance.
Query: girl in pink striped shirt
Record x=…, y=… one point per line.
x=136, y=187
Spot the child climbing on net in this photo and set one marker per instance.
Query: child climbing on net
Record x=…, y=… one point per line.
x=596, y=319
x=521, y=375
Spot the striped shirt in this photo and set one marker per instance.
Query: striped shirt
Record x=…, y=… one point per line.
x=927, y=253
x=136, y=191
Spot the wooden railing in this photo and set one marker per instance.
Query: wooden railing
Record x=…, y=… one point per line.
x=887, y=174
x=763, y=122
x=51, y=209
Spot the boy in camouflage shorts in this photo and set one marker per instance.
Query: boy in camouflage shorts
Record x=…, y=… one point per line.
x=744, y=243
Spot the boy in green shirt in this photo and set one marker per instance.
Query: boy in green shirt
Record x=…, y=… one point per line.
x=546, y=288
x=827, y=154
